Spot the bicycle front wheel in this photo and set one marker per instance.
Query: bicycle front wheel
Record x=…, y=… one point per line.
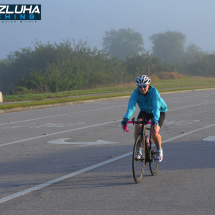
x=139, y=164
x=153, y=164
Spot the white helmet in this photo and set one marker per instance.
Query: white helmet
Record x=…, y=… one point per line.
x=143, y=80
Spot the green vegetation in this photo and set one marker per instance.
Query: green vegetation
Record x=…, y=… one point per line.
x=61, y=67
x=122, y=43
x=26, y=97
x=204, y=66
x=47, y=70
x=179, y=83
x=62, y=100
x=168, y=46
x=56, y=101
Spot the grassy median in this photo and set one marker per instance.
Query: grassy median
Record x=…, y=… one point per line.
x=188, y=83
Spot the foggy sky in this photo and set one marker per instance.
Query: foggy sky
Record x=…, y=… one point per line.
x=89, y=19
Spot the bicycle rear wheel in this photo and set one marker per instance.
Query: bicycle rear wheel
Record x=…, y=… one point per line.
x=153, y=164
x=138, y=165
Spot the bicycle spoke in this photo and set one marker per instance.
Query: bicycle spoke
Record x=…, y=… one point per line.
x=153, y=164
x=138, y=165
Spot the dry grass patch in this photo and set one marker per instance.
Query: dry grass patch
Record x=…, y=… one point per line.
x=170, y=75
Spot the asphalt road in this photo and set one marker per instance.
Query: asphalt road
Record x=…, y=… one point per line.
x=51, y=163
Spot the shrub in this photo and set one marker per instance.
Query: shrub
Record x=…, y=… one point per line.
x=170, y=75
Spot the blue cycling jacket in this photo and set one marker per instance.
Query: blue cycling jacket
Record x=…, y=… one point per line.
x=151, y=103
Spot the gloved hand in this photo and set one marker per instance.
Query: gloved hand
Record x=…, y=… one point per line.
x=124, y=122
x=154, y=122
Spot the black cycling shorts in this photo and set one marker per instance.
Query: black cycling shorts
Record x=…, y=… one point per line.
x=143, y=115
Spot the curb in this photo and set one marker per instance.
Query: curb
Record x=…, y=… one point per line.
x=86, y=101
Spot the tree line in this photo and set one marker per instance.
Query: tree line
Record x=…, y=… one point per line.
x=69, y=65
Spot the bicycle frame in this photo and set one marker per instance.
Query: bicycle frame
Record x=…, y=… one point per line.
x=142, y=133
x=150, y=151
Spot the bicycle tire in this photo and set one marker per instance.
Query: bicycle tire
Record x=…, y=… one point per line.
x=153, y=164
x=138, y=165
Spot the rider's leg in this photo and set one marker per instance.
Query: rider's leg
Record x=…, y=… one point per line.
x=136, y=132
x=141, y=116
x=156, y=137
x=137, y=129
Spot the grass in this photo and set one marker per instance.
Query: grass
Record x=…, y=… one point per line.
x=120, y=90
x=55, y=101
x=10, y=98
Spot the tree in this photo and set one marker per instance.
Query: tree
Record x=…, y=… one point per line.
x=169, y=46
x=193, y=53
x=20, y=63
x=204, y=66
x=122, y=42
x=138, y=64
x=59, y=67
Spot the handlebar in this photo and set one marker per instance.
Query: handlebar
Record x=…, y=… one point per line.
x=137, y=122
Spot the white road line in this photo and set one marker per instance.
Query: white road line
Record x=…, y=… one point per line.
x=191, y=106
x=183, y=97
x=74, y=129
x=33, y=119
x=41, y=136
x=56, y=116
x=39, y=186
x=187, y=133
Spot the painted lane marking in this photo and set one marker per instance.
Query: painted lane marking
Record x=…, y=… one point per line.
x=182, y=97
x=62, y=141
x=189, y=132
x=210, y=138
x=27, y=120
x=182, y=122
x=58, y=115
x=75, y=129
x=57, y=125
x=39, y=186
x=48, y=125
x=191, y=106
x=18, y=141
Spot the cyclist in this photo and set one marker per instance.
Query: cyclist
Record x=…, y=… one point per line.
x=152, y=106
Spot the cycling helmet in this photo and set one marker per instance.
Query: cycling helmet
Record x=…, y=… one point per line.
x=143, y=80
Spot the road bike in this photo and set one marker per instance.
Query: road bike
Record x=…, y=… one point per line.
x=148, y=149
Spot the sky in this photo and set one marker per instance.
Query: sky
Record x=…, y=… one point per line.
x=89, y=19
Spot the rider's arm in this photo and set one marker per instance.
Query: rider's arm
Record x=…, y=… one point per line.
x=156, y=106
x=131, y=104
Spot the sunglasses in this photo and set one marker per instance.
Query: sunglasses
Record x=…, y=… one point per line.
x=144, y=86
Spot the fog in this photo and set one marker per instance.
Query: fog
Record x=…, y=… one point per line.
x=89, y=19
